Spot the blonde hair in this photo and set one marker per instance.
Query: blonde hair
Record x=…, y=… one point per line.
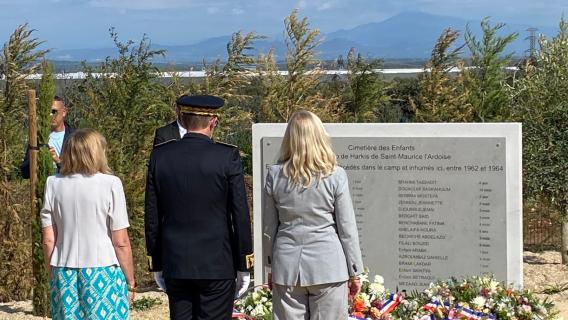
x=306, y=151
x=84, y=152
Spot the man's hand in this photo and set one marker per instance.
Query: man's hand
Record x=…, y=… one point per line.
x=159, y=278
x=54, y=155
x=243, y=281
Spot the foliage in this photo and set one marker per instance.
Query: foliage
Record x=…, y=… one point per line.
x=122, y=100
x=45, y=168
x=486, y=78
x=441, y=98
x=17, y=61
x=479, y=295
x=231, y=83
x=257, y=303
x=402, y=92
x=364, y=96
x=145, y=303
x=299, y=89
x=541, y=102
x=555, y=288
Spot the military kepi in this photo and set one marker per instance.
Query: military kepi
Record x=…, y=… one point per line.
x=201, y=105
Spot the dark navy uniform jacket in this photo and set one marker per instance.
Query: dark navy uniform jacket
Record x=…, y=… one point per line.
x=167, y=133
x=197, y=220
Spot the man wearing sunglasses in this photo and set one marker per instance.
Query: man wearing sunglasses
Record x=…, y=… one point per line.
x=60, y=132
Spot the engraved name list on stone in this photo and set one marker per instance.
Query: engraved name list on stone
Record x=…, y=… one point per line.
x=428, y=207
x=426, y=204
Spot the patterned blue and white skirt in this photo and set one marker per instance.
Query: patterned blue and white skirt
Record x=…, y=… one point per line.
x=89, y=293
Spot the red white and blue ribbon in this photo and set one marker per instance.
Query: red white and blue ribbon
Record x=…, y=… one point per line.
x=472, y=315
x=457, y=312
x=390, y=304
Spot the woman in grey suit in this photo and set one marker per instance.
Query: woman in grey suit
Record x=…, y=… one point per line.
x=309, y=226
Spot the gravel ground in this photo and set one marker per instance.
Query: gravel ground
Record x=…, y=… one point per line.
x=541, y=271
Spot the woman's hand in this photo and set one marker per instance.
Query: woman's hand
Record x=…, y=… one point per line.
x=131, y=295
x=354, y=285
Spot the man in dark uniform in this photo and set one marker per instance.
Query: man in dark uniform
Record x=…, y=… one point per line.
x=171, y=131
x=196, y=217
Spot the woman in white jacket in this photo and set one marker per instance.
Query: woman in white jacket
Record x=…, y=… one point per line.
x=85, y=238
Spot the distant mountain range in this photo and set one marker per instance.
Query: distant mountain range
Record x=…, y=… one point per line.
x=409, y=35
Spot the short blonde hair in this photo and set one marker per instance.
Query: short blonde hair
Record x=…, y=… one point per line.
x=306, y=151
x=85, y=153
x=195, y=122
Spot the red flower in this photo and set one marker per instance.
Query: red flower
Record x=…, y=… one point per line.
x=359, y=305
x=377, y=304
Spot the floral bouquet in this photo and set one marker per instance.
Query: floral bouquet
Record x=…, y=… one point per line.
x=374, y=301
x=256, y=305
x=474, y=298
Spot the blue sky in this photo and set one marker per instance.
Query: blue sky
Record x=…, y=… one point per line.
x=66, y=24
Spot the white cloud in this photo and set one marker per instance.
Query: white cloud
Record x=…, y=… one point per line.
x=212, y=10
x=237, y=11
x=148, y=4
x=326, y=5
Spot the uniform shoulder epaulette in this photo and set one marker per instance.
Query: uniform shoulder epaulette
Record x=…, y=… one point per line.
x=226, y=144
x=163, y=143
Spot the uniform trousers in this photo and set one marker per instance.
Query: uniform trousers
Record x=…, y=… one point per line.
x=317, y=302
x=200, y=299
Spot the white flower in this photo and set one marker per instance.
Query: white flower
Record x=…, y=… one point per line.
x=365, y=298
x=479, y=302
x=379, y=279
x=376, y=289
x=257, y=311
x=493, y=285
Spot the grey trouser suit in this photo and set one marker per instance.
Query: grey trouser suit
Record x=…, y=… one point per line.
x=312, y=240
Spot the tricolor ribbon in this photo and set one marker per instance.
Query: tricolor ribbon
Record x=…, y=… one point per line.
x=472, y=315
x=390, y=304
x=457, y=312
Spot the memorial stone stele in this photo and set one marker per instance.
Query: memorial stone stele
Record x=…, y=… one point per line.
x=432, y=201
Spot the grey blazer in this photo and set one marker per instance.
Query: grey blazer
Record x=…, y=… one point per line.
x=310, y=233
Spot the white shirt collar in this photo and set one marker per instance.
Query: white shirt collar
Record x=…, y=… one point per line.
x=182, y=130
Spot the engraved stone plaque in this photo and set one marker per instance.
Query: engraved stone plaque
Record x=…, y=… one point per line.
x=427, y=207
